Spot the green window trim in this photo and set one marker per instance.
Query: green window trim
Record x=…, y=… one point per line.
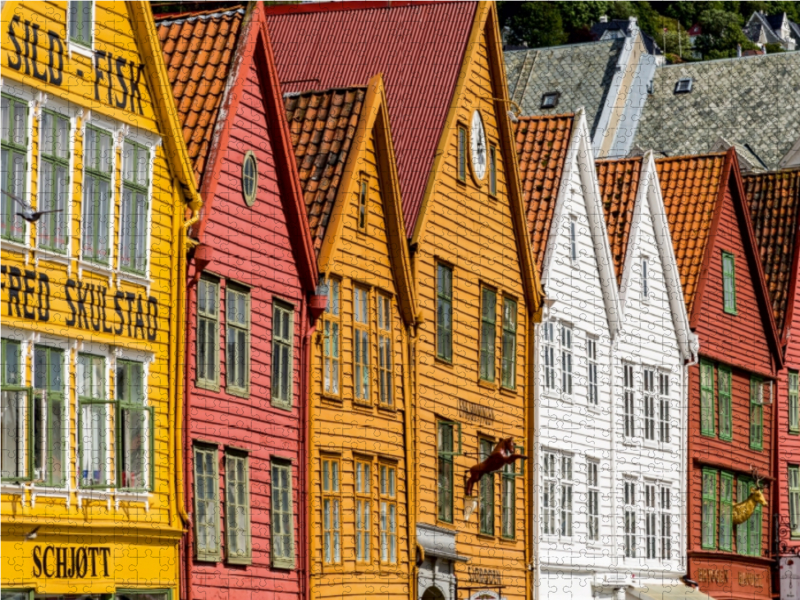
x=794, y=402
x=49, y=445
x=727, y=484
x=282, y=537
x=17, y=407
x=446, y=449
x=488, y=334
x=237, y=508
x=15, y=153
x=237, y=341
x=81, y=25
x=206, y=503
x=444, y=312
x=207, y=336
x=709, y=510
x=508, y=503
x=756, y=414
x=134, y=208
x=493, y=170
x=509, y=360
x=749, y=533
x=54, y=154
x=90, y=400
x=98, y=206
x=707, y=425
x=363, y=197
x=135, y=439
x=462, y=154
x=725, y=403
x=486, y=488
x=282, y=355
x=728, y=283
x=794, y=501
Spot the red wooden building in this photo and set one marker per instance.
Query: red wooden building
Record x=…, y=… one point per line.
x=731, y=390
x=251, y=312
x=774, y=200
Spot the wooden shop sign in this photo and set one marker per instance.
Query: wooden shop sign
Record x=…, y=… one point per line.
x=469, y=411
x=749, y=579
x=719, y=576
x=484, y=576
x=71, y=562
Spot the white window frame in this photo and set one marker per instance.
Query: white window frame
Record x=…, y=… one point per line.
x=79, y=48
x=592, y=372
x=628, y=401
x=572, y=236
x=548, y=344
x=664, y=423
x=651, y=520
x=62, y=111
x=558, y=517
x=665, y=545
x=566, y=355
x=644, y=266
x=593, y=501
x=630, y=518
x=649, y=404
x=128, y=135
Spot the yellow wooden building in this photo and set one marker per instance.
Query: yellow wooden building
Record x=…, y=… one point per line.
x=360, y=396
x=92, y=303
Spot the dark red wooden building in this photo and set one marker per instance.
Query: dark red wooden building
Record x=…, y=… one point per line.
x=731, y=390
x=251, y=311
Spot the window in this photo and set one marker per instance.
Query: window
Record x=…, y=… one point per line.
x=650, y=521
x=707, y=399
x=728, y=283
x=573, y=240
x=492, y=170
x=666, y=523
x=448, y=433
x=557, y=494
x=388, y=514
x=628, y=395
x=550, y=99
x=237, y=508
x=361, y=343
x=135, y=422
x=80, y=23
x=238, y=340
x=663, y=408
x=363, y=510
x=591, y=360
x=756, y=414
x=724, y=402
x=15, y=168
x=93, y=422
x=794, y=405
x=488, y=322
x=206, y=503
x=250, y=178
x=709, y=516
x=208, y=332
x=549, y=355
x=508, y=500
x=630, y=518
x=282, y=354
x=133, y=212
x=649, y=404
x=48, y=416
x=98, y=164
x=565, y=343
x=444, y=312
x=794, y=500
x=331, y=327
x=566, y=496
x=486, y=491
x=683, y=86
x=645, y=280
x=331, y=512
x=15, y=407
x=726, y=511
x=362, y=205
x=748, y=534
x=385, y=380
x=509, y=361
x=462, y=153
x=282, y=517
x=549, y=502
x=593, y=482
x=53, y=227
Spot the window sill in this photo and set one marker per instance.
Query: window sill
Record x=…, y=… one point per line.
x=206, y=558
x=240, y=561
x=508, y=391
x=284, y=407
x=238, y=392
x=486, y=536
x=46, y=254
x=80, y=49
x=485, y=383
x=443, y=361
x=363, y=404
x=14, y=246
x=732, y=313
x=283, y=565
x=142, y=280
x=330, y=398
x=392, y=410
x=794, y=432
x=446, y=524
x=712, y=436
x=210, y=387
x=632, y=442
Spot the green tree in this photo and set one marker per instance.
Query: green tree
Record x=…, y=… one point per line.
x=722, y=32
x=575, y=15
x=537, y=24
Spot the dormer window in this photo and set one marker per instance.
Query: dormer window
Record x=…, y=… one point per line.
x=550, y=99
x=683, y=86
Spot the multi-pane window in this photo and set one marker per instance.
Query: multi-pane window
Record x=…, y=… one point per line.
x=444, y=312
x=14, y=172
x=361, y=343
x=645, y=280
x=237, y=507
x=748, y=534
x=549, y=355
x=331, y=512
x=664, y=506
x=362, y=205
x=794, y=500
x=573, y=240
x=508, y=502
x=549, y=515
x=448, y=446
x=331, y=326
x=756, y=414
x=628, y=399
x=54, y=139
x=650, y=521
x=98, y=164
x=206, y=503
x=493, y=170
x=728, y=283
x=565, y=347
x=80, y=22
x=488, y=333
x=388, y=514
x=282, y=354
x=15, y=407
x=591, y=362
x=363, y=510
x=385, y=386
x=649, y=404
x=629, y=516
x=663, y=408
x=93, y=421
x=133, y=210
x=48, y=416
x=726, y=511
x=709, y=510
x=282, y=518
x=509, y=362
x=707, y=398
x=135, y=424
x=794, y=403
x=566, y=496
x=593, y=517
x=208, y=332
x=486, y=492
x=724, y=402
x=462, y=153
x=237, y=317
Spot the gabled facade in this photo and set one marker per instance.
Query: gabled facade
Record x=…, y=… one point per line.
x=732, y=389
x=252, y=308
x=762, y=29
x=92, y=304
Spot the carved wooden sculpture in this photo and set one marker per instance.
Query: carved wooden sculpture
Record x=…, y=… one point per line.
x=502, y=455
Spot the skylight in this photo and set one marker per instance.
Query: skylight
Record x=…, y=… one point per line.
x=684, y=86
x=550, y=99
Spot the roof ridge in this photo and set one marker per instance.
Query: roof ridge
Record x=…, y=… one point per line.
x=172, y=18
x=609, y=41
x=545, y=117
x=324, y=91
x=718, y=60
x=345, y=5
x=685, y=156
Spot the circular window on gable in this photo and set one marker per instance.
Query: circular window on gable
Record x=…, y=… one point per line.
x=249, y=178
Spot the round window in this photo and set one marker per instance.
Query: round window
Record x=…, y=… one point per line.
x=250, y=178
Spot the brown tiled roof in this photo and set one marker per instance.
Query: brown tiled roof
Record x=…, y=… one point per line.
x=619, y=183
x=542, y=144
x=198, y=51
x=322, y=126
x=774, y=200
x=690, y=186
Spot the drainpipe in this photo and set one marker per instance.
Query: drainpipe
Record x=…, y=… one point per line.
x=688, y=364
x=613, y=453
x=532, y=412
x=410, y=446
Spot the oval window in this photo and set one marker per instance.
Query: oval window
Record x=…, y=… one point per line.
x=250, y=178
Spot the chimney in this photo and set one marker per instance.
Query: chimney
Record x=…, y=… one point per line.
x=738, y=51
x=604, y=18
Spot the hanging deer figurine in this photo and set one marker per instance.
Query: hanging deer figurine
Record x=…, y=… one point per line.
x=502, y=455
x=744, y=510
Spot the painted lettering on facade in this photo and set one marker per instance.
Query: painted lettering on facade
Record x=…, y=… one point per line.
x=484, y=576
x=719, y=576
x=71, y=562
x=469, y=411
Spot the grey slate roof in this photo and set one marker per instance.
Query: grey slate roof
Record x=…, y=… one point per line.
x=581, y=72
x=768, y=25
x=752, y=100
